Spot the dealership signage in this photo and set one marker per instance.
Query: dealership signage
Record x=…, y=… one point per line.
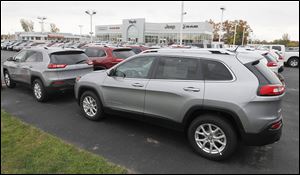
x=189, y=26
x=170, y=27
x=132, y=21
x=55, y=36
x=114, y=28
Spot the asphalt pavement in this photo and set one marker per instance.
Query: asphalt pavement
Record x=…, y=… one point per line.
x=146, y=148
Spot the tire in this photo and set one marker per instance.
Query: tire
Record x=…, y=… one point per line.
x=293, y=62
x=230, y=140
x=91, y=106
x=39, y=91
x=8, y=81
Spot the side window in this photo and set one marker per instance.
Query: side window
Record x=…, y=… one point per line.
x=178, y=68
x=101, y=53
x=276, y=48
x=214, y=70
x=34, y=57
x=136, y=68
x=20, y=56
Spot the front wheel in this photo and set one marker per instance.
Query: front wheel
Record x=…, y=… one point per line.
x=212, y=137
x=91, y=106
x=293, y=62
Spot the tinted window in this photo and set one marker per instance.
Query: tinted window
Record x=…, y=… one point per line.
x=177, y=68
x=94, y=52
x=68, y=58
x=136, y=50
x=276, y=48
x=122, y=53
x=136, y=68
x=263, y=73
x=34, y=57
x=20, y=56
x=214, y=70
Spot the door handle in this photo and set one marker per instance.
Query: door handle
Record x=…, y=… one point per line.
x=191, y=89
x=137, y=85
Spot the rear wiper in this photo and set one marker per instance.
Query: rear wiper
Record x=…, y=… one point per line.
x=80, y=61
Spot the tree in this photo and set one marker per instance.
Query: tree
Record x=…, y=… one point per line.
x=27, y=25
x=228, y=30
x=54, y=29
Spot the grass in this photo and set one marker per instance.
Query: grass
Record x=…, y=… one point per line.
x=26, y=149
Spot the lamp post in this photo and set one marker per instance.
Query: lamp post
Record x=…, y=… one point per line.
x=80, y=26
x=221, y=28
x=91, y=13
x=42, y=18
x=243, y=36
x=181, y=21
x=234, y=33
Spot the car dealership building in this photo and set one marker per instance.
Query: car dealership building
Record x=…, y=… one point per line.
x=139, y=31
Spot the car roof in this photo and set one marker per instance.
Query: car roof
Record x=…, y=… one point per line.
x=51, y=50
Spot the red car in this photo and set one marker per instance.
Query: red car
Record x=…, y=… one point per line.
x=106, y=57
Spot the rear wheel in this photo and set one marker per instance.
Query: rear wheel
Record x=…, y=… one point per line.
x=91, y=106
x=8, y=81
x=212, y=137
x=39, y=91
x=293, y=62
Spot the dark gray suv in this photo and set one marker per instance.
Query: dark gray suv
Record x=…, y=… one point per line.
x=217, y=97
x=46, y=69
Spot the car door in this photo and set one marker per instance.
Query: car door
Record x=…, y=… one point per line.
x=15, y=65
x=176, y=84
x=31, y=62
x=125, y=89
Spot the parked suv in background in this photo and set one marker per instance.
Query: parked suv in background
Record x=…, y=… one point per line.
x=216, y=97
x=106, y=57
x=46, y=70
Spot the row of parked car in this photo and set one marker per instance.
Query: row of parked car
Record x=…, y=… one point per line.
x=218, y=97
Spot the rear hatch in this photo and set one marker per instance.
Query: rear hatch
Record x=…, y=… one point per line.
x=70, y=64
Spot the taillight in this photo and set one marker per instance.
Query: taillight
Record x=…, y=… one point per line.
x=281, y=57
x=276, y=125
x=271, y=64
x=56, y=66
x=271, y=90
x=89, y=62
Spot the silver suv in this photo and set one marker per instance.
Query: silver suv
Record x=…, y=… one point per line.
x=46, y=69
x=216, y=97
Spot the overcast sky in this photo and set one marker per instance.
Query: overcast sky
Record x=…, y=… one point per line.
x=269, y=20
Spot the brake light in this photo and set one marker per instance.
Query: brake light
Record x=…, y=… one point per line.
x=56, y=66
x=276, y=125
x=272, y=64
x=90, y=62
x=271, y=90
x=281, y=57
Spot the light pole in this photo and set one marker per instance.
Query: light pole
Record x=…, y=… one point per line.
x=221, y=28
x=80, y=26
x=91, y=13
x=234, y=33
x=181, y=21
x=42, y=18
x=243, y=36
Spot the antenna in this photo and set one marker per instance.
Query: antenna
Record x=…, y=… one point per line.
x=236, y=48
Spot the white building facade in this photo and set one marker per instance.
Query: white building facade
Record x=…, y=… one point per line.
x=139, y=31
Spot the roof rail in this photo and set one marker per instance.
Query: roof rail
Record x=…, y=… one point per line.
x=207, y=51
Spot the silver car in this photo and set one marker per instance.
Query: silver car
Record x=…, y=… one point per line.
x=217, y=97
x=46, y=70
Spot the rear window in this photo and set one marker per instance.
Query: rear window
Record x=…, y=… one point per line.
x=122, y=53
x=270, y=57
x=136, y=50
x=263, y=73
x=214, y=70
x=68, y=58
x=94, y=52
x=276, y=48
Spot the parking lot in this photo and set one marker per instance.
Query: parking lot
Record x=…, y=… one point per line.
x=145, y=148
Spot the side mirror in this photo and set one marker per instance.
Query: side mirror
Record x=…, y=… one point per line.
x=111, y=72
x=10, y=59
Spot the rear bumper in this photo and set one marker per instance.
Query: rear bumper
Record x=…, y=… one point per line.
x=61, y=85
x=265, y=137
